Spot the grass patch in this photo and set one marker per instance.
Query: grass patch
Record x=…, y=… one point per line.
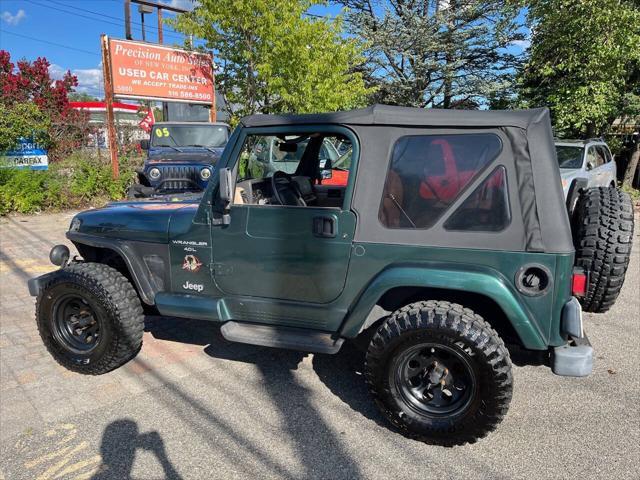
x=77, y=182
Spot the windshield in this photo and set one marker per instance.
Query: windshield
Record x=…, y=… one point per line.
x=569, y=156
x=189, y=136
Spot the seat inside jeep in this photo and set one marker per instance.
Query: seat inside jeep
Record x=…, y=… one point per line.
x=427, y=175
x=293, y=170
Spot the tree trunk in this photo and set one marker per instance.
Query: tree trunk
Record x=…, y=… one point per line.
x=632, y=167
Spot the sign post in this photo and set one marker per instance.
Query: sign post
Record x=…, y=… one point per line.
x=108, y=98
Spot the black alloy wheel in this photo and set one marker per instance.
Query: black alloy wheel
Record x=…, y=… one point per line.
x=434, y=379
x=75, y=324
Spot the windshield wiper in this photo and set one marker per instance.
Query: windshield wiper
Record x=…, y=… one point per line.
x=202, y=146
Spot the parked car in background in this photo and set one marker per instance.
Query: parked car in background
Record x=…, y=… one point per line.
x=180, y=157
x=585, y=164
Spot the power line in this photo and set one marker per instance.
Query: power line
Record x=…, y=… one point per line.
x=119, y=24
x=133, y=22
x=49, y=42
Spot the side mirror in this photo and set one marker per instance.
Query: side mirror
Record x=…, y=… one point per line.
x=325, y=169
x=144, y=144
x=590, y=165
x=225, y=192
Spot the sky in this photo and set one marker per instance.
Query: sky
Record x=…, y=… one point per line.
x=67, y=33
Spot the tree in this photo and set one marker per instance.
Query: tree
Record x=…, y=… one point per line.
x=30, y=82
x=436, y=53
x=273, y=59
x=81, y=97
x=582, y=63
x=22, y=120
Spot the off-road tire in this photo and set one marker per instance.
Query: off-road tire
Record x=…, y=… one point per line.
x=117, y=304
x=602, y=235
x=455, y=326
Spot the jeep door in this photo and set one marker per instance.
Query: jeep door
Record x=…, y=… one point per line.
x=283, y=252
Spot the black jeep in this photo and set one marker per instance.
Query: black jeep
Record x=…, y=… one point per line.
x=180, y=158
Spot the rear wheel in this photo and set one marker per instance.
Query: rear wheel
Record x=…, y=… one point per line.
x=89, y=318
x=603, y=232
x=439, y=373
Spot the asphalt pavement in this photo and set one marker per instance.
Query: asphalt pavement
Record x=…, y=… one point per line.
x=208, y=408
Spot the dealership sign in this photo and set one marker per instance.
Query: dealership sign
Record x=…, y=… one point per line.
x=27, y=154
x=154, y=72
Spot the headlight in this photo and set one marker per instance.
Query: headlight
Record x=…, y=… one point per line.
x=75, y=225
x=205, y=173
x=154, y=173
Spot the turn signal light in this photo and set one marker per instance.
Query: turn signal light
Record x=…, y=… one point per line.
x=579, y=283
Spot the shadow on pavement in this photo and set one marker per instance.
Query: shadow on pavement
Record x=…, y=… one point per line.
x=120, y=441
x=313, y=439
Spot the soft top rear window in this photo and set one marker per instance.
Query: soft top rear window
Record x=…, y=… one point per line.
x=427, y=173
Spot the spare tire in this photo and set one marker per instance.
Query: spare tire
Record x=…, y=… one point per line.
x=602, y=235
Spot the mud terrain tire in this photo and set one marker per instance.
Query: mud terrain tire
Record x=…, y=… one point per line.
x=90, y=319
x=461, y=337
x=602, y=235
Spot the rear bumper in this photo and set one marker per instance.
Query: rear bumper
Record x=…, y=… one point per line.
x=575, y=358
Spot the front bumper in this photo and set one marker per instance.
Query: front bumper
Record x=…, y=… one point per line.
x=575, y=358
x=35, y=284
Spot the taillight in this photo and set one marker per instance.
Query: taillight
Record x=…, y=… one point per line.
x=579, y=283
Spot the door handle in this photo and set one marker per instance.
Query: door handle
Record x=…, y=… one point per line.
x=324, y=227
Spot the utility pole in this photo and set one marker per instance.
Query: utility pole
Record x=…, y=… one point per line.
x=108, y=97
x=144, y=7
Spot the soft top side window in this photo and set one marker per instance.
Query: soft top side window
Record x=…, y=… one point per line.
x=427, y=173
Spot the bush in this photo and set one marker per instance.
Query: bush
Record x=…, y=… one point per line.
x=79, y=181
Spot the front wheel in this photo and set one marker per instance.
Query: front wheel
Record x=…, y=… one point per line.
x=439, y=373
x=89, y=318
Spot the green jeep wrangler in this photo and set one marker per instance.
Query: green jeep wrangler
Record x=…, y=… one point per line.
x=449, y=238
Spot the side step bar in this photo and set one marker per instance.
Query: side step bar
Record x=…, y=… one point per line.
x=281, y=337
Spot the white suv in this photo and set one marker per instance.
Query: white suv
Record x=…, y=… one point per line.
x=589, y=160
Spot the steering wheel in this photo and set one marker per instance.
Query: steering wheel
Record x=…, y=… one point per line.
x=285, y=190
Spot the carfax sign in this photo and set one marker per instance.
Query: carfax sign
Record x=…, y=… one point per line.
x=27, y=154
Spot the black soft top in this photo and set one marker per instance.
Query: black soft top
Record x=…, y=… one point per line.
x=405, y=116
x=539, y=218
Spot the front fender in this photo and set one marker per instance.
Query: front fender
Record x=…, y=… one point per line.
x=147, y=263
x=483, y=281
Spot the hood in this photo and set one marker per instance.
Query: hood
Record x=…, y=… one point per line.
x=186, y=155
x=145, y=220
x=566, y=176
x=568, y=173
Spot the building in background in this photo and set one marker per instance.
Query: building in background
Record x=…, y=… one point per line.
x=127, y=122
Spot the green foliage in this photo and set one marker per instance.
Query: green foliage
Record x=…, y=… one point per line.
x=76, y=182
x=432, y=53
x=584, y=58
x=273, y=59
x=633, y=192
x=22, y=120
x=81, y=97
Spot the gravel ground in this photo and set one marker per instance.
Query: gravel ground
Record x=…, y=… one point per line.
x=251, y=412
